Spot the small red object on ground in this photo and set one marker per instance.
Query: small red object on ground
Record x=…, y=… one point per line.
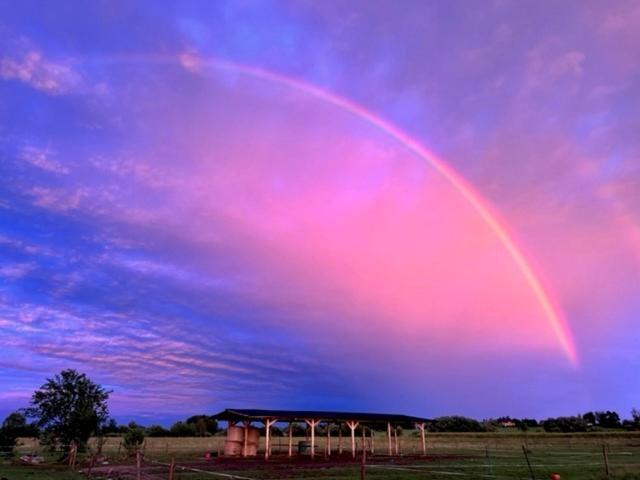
x=555, y=476
x=207, y=456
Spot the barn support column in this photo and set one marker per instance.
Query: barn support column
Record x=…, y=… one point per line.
x=268, y=422
x=312, y=424
x=353, y=425
x=420, y=426
x=389, y=437
x=290, y=439
x=245, y=438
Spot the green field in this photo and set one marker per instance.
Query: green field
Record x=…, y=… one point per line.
x=500, y=456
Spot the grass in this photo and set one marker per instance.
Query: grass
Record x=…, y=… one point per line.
x=43, y=472
x=573, y=460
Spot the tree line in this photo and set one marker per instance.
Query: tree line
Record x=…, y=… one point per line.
x=70, y=408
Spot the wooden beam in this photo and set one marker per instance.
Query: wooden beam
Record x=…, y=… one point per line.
x=353, y=425
x=371, y=436
x=268, y=422
x=290, y=439
x=328, y=439
x=420, y=426
x=395, y=438
x=389, y=437
x=245, y=442
x=312, y=424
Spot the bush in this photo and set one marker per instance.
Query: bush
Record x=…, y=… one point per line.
x=133, y=439
x=455, y=424
x=565, y=425
x=203, y=425
x=157, y=431
x=182, y=429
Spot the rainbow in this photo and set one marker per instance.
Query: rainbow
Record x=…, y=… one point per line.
x=553, y=314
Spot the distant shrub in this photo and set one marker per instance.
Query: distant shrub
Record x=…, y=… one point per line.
x=455, y=424
x=565, y=425
x=183, y=429
x=133, y=439
x=157, y=431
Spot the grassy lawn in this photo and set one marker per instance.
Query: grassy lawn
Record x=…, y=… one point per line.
x=24, y=472
x=571, y=460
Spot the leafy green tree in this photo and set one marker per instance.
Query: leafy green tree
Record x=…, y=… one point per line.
x=133, y=439
x=565, y=425
x=157, y=431
x=111, y=427
x=182, y=429
x=608, y=419
x=69, y=408
x=203, y=425
x=455, y=424
x=590, y=418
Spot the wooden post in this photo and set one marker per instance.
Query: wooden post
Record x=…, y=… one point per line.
x=290, y=439
x=363, y=465
x=371, y=436
x=340, y=438
x=312, y=425
x=420, y=426
x=245, y=438
x=353, y=425
x=526, y=456
x=92, y=464
x=606, y=460
x=395, y=438
x=489, y=465
x=172, y=468
x=138, y=465
x=267, y=437
x=364, y=439
x=328, y=439
x=389, y=437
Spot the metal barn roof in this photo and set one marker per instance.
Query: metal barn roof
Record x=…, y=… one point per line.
x=243, y=414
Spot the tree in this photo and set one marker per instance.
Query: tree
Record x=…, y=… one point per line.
x=203, y=425
x=69, y=408
x=133, y=439
x=182, y=429
x=565, y=424
x=608, y=419
x=455, y=424
x=590, y=418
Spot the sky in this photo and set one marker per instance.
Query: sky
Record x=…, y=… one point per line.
x=419, y=207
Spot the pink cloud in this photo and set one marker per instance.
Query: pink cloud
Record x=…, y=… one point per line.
x=42, y=158
x=53, y=77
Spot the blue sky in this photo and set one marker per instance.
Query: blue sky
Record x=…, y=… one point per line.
x=201, y=205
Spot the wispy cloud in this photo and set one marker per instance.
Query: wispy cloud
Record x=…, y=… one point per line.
x=49, y=76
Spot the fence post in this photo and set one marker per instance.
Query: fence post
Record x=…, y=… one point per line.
x=489, y=465
x=138, y=465
x=172, y=468
x=363, y=465
x=606, y=460
x=526, y=456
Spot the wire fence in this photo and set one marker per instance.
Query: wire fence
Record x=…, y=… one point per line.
x=188, y=462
